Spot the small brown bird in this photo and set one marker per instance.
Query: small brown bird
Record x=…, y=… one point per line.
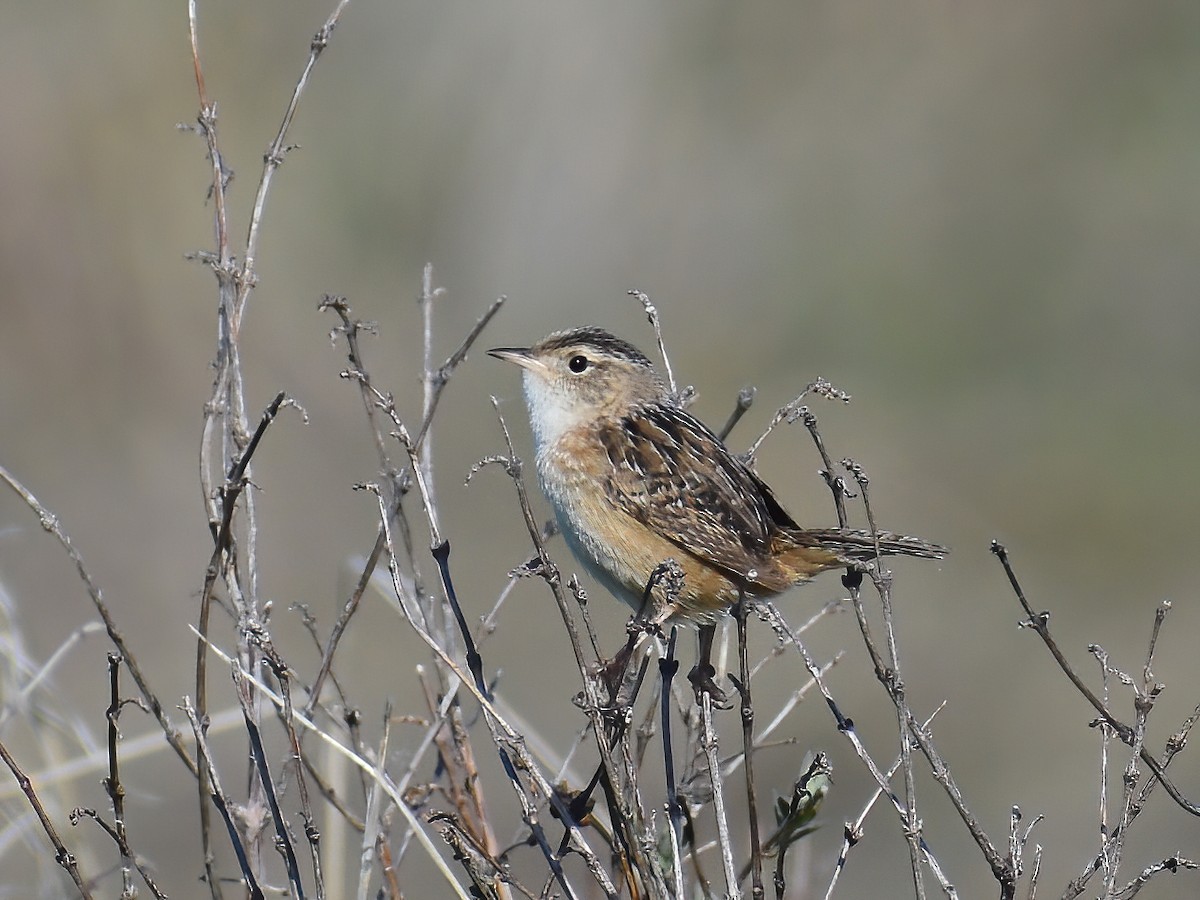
x=635, y=480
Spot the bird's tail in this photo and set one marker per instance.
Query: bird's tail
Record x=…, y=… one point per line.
x=860, y=546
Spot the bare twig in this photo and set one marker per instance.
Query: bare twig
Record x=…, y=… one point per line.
x=350, y=330
x=1106, y=734
x=846, y=727
x=668, y=665
x=550, y=574
x=62, y=855
x=890, y=676
x=283, y=677
x=708, y=746
x=745, y=399
x=509, y=744
x=258, y=755
x=279, y=147
x=339, y=625
x=112, y=784
x=373, y=818
x=221, y=561
x=51, y=524
x=941, y=773
x=1040, y=623
x=219, y=799
x=435, y=380
x=835, y=483
x=1175, y=743
x=853, y=831
x=652, y=315
x=225, y=414
x=365, y=766
x=740, y=612
x=1171, y=864
x=794, y=411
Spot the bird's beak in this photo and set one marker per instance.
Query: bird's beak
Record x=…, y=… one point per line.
x=519, y=355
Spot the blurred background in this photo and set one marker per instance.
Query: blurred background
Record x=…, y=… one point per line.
x=979, y=220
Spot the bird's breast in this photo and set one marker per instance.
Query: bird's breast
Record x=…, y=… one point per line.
x=618, y=550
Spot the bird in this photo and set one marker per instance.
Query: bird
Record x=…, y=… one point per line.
x=636, y=480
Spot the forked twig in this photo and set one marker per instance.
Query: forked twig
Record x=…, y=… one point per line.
x=220, y=800
x=846, y=727
x=652, y=315
x=365, y=766
x=51, y=523
x=794, y=411
x=1040, y=623
x=890, y=676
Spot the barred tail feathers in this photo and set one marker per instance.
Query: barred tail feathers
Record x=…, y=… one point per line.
x=857, y=545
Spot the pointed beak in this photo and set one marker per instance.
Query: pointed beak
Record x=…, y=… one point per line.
x=519, y=355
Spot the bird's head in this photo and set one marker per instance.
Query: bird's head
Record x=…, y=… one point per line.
x=578, y=376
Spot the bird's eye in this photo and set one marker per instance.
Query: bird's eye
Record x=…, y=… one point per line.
x=578, y=363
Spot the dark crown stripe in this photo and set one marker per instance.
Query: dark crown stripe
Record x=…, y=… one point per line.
x=603, y=341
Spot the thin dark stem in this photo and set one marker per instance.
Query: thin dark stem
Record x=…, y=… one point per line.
x=740, y=612
x=51, y=524
x=745, y=399
x=670, y=575
x=222, y=557
x=62, y=855
x=82, y=812
x=794, y=410
x=221, y=801
x=1040, y=623
x=668, y=665
x=1171, y=864
x=439, y=377
x=112, y=784
x=259, y=757
x=550, y=574
x=343, y=619
x=1160, y=615
x=939, y=769
x=350, y=329
x=581, y=600
x=836, y=483
x=283, y=676
x=218, y=407
x=441, y=554
x=853, y=831
x=846, y=727
x=893, y=679
x=203, y=786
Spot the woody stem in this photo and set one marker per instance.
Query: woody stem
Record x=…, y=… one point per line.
x=741, y=611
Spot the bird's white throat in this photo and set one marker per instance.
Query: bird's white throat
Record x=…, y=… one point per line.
x=551, y=412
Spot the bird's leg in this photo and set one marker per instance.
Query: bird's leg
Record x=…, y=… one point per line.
x=612, y=673
x=647, y=620
x=703, y=673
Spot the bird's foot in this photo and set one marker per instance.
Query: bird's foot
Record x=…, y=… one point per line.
x=703, y=679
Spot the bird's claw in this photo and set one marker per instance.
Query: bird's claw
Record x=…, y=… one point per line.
x=703, y=679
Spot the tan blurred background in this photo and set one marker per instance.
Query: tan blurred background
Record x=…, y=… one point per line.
x=980, y=220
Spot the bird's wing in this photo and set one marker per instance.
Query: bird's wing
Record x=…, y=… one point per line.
x=672, y=474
